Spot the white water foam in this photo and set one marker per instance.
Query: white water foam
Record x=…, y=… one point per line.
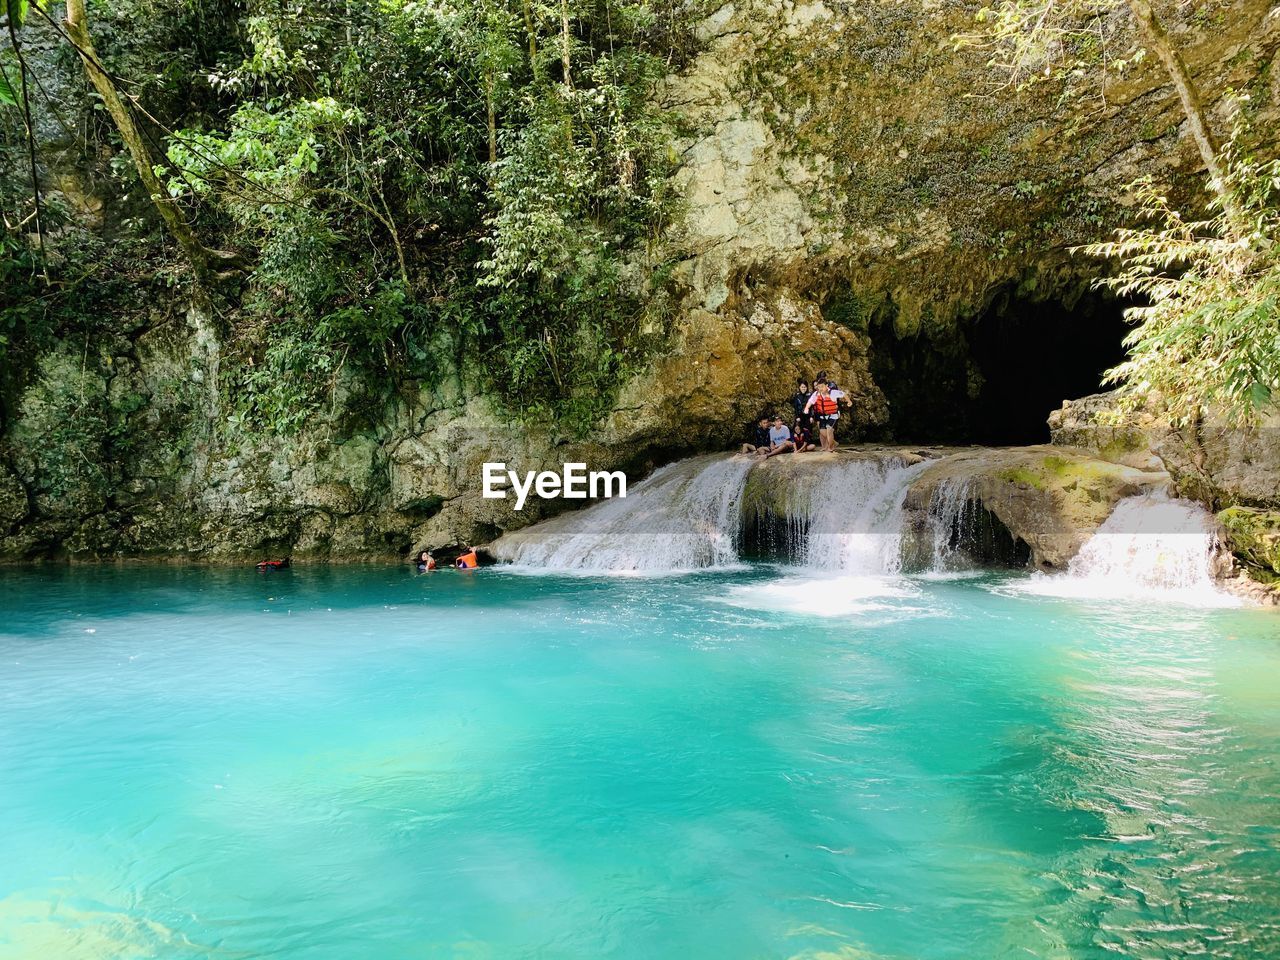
x=1150, y=548
x=684, y=517
x=824, y=597
x=854, y=517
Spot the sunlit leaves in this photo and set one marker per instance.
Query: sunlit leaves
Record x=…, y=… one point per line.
x=17, y=11
x=1207, y=338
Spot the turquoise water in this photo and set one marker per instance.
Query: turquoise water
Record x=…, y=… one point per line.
x=366, y=763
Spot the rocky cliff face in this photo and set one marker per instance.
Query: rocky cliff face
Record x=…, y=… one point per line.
x=846, y=191
x=852, y=146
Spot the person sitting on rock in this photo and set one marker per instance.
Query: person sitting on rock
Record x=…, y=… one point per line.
x=802, y=436
x=779, y=440
x=760, y=434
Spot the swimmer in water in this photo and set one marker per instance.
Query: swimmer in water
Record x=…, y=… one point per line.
x=467, y=560
x=426, y=562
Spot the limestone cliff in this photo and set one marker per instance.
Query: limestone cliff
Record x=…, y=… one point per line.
x=854, y=188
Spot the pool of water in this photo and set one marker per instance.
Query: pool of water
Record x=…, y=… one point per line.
x=368, y=763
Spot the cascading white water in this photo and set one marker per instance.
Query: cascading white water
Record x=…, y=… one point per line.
x=1151, y=542
x=853, y=517
x=847, y=517
x=684, y=517
x=950, y=508
x=1150, y=546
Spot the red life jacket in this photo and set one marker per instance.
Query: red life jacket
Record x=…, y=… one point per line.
x=824, y=405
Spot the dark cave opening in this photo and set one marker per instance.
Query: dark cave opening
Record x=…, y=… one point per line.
x=978, y=534
x=994, y=378
x=765, y=535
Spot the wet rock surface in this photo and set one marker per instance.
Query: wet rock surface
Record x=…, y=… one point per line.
x=1049, y=499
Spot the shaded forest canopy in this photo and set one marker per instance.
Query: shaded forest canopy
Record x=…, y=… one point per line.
x=412, y=189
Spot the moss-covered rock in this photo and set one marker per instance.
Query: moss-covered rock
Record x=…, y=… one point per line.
x=1222, y=463
x=1254, y=537
x=1050, y=499
x=1102, y=427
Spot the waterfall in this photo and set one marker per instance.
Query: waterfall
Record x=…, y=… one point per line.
x=846, y=517
x=1151, y=542
x=951, y=511
x=1151, y=546
x=683, y=517
x=853, y=517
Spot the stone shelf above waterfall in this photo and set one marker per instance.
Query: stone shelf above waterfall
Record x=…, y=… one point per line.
x=860, y=510
x=1047, y=498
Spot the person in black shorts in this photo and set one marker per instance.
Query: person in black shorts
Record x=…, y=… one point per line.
x=824, y=408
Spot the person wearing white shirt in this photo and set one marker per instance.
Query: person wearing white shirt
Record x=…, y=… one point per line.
x=826, y=410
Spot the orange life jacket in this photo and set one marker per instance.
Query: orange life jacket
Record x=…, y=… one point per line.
x=467, y=561
x=824, y=405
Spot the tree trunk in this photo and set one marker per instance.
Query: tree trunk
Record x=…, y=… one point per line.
x=1194, y=109
x=564, y=43
x=532, y=35
x=196, y=253
x=489, y=97
x=29, y=128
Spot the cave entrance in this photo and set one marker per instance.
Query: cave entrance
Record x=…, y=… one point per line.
x=995, y=378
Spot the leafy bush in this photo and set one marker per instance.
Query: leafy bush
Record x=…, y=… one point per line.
x=1208, y=337
x=467, y=177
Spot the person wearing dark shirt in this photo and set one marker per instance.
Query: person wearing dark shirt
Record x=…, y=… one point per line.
x=759, y=436
x=779, y=440
x=799, y=401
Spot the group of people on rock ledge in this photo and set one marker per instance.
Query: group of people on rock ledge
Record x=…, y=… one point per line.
x=815, y=410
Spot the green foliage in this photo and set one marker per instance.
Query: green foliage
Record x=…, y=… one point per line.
x=1255, y=538
x=583, y=182
x=19, y=313
x=1208, y=337
x=426, y=178
x=299, y=363
x=64, y=426
x=17, y=11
